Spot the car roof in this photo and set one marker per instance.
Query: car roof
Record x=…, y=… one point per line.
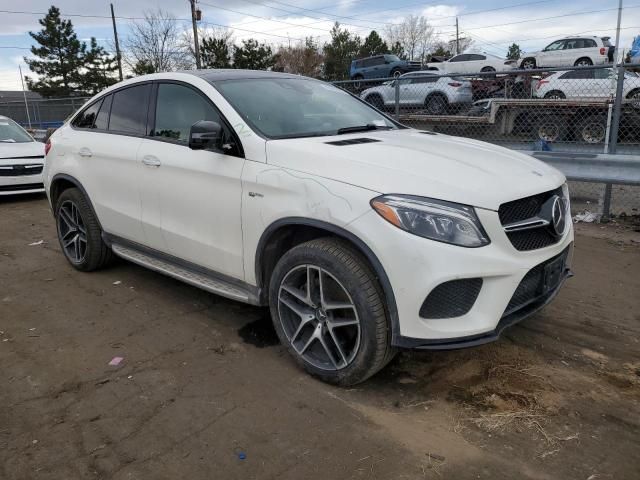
x=216, y=75
x=421, y=73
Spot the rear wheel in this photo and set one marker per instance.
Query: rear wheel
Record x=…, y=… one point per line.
x=79, y=232
x=395, y=73
x=436, y=104
x=357, y=81
x=592, y=129
x=634, y=96
x=329, y=312
x=551, y=128
x=583, y=62
x=488, y=69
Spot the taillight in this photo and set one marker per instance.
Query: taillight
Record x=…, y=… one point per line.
x=540, y=83
x=455, y=84
x=47, y=146
x=603, y=50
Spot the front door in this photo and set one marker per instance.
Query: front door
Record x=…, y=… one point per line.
x=191, y=198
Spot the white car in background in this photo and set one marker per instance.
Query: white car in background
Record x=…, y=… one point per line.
x=435, y=93
x=21, y=160
x=466, y=63
x=574, y=51
x=587, y=83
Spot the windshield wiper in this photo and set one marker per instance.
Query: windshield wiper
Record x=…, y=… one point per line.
x=362, y=128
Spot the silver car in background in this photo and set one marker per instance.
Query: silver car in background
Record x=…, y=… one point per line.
x=428, y=90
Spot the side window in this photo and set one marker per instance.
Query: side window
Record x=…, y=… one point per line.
x=369, y=62
x=590, y=43
x=431, y=79
x=102, y=120
x=378, y=60
x=177, y=108
x=476, y=57
x=555, y=46
x=604, y=74
x=88, y=116
x=129, y=110
x=458, y=58
x=578, y=75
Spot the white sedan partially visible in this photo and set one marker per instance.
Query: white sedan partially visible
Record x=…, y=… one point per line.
x=466, y=63
x=21, y=160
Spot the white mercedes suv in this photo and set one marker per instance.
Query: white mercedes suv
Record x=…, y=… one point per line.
x=362, y=235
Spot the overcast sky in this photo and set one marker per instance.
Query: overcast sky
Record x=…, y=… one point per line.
x=282, y=21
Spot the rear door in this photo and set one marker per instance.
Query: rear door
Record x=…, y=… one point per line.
x=107, y=149
x=191, y=198
x=551, y=56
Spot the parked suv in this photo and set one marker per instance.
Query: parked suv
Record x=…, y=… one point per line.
x=360, y=234
x=574, y=51
x=434, y=93
x=381, y=66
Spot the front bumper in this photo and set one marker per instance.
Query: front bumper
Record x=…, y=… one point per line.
x=21, y=184
x=416, y=266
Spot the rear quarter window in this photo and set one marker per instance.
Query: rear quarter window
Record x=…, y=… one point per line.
x=129, y=110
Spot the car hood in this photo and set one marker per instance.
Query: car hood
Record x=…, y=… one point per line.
x=419, y=163
x=21, y=150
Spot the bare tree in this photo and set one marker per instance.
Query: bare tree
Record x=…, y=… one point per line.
x=303, y=59
x=414, y=35
x=155, y=43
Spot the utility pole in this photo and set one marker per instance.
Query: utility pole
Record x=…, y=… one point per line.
x=195, y=33
x=24, y=94
x=115, y=36
x=457, y=38
x=620, y=71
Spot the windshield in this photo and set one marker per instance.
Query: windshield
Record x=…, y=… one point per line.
x=292, y=107
x=11, y=132
x=392, y=58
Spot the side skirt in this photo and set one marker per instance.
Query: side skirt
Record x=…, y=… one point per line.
x=185, y=271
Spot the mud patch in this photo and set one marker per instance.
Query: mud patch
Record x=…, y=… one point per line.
x=259, y=333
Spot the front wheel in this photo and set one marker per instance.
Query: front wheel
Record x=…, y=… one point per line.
x=583, y=62
x=328, y=310
x=528, y=64
x=436, y=104
x=79, y=232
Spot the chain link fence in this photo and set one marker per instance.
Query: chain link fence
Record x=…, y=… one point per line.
x=44, y=113
x=590, y=110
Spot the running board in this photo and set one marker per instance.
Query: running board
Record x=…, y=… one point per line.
x=187, y=275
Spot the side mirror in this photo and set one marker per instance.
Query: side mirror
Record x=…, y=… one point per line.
x=204, y=134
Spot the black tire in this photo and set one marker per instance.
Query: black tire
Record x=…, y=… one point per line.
x=375, y=101
x=95, y=254
x=344, y=264
x=528, y=63
x=436, y=104
x=357, y=81
x=583, y=62
x=550, y=128
x=634, y=96
x=592, y=129
x=488, y=69
x=555, y=95
x=396, y=72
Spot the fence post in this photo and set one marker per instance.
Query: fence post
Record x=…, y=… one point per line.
x=617, y=111
x=397, y=98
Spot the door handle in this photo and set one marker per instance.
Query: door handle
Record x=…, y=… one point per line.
x=151, y=161
x=84, y=152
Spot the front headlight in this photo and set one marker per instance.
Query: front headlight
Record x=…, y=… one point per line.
x=434, y=219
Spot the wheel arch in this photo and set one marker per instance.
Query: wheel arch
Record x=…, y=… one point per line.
x=285, y=233
x=61, y=182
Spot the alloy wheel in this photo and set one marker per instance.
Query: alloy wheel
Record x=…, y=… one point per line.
x=72, y=231
x=318, y=317
x=593, y=132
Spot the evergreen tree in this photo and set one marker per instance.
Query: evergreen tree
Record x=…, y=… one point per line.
x=143, y=67
x=253, y=55
x=339, y=53
x=60, y=57
x=373, y=45
x=215, y=53
x=514, y=52
x=100, y=69
x=397, y=50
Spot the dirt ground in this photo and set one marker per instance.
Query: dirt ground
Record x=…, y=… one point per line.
x=205, y=392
